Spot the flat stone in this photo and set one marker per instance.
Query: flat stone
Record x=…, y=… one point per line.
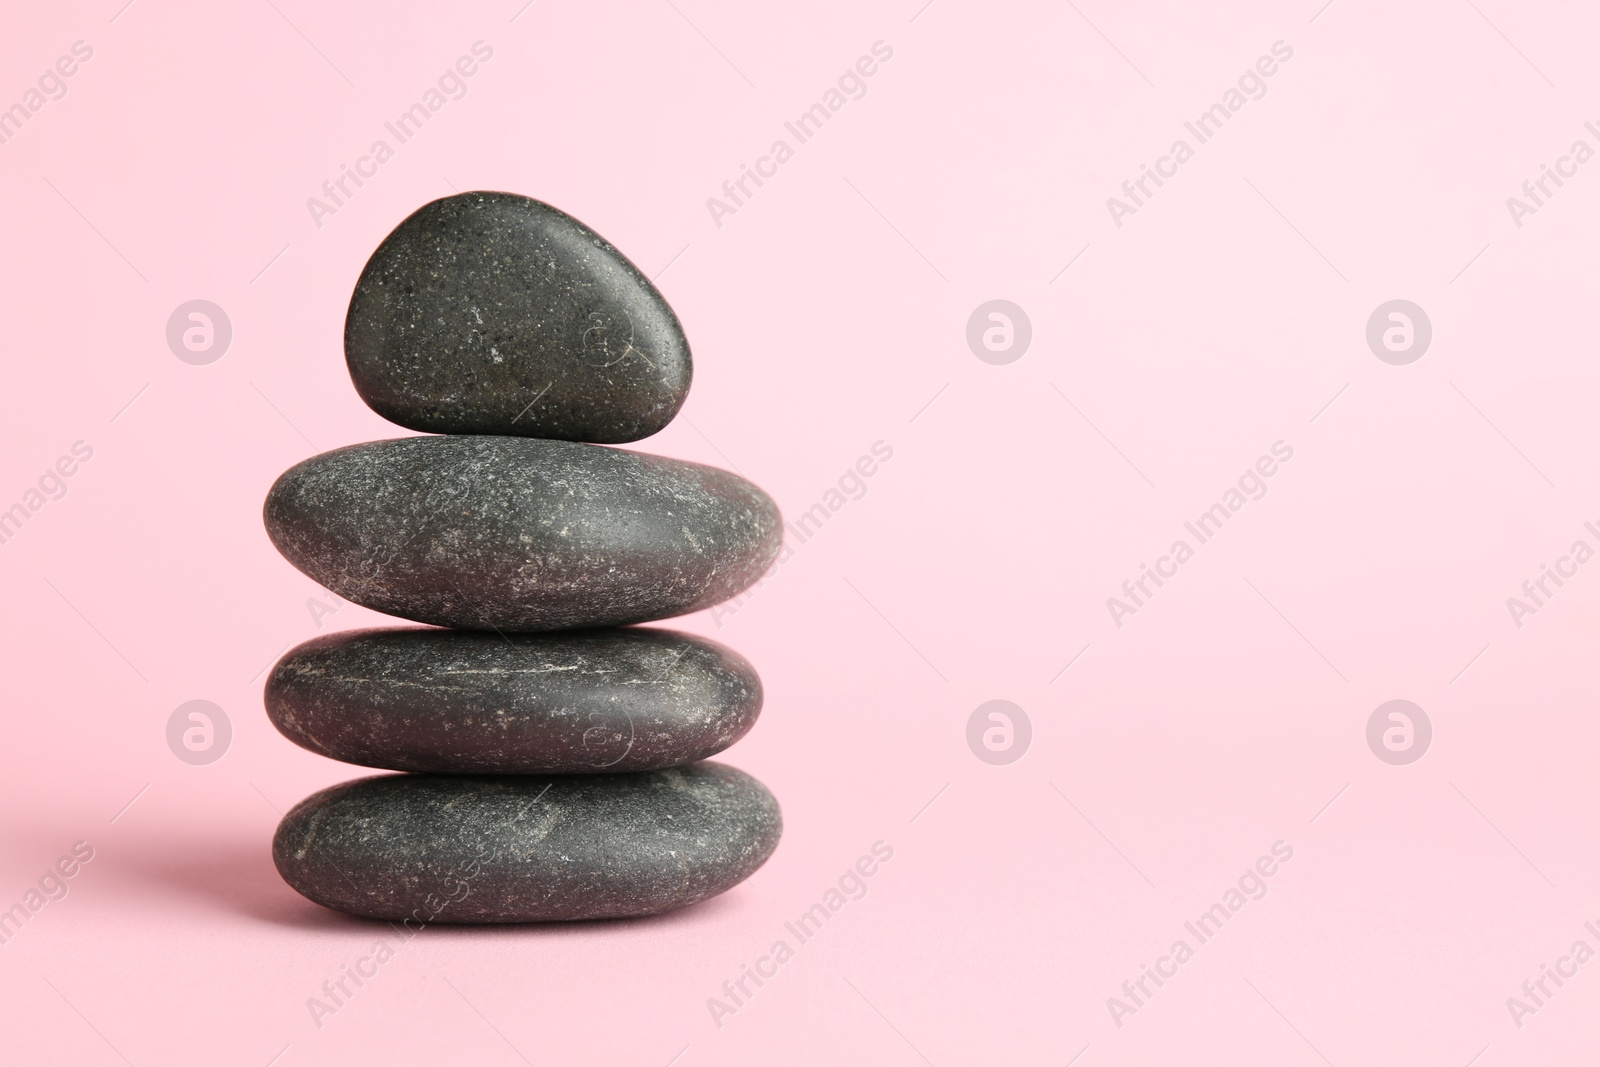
x=494, y=313
x=452, y=701
x=511, y=533
x=455, y=849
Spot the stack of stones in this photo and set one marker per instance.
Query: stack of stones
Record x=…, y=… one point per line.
x=554, y=752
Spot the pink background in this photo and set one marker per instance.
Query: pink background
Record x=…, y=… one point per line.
x=1222, y=317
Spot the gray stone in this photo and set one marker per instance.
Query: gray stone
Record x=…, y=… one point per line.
x=576, y=702
x=494, y=313
x=511, y=533
x=455, y=849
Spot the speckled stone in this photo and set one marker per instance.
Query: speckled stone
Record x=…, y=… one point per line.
x=457, y=849
x=511, y=533
x=494, y=313
x=576, y=702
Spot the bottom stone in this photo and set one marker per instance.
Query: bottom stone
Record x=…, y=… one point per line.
x=459, y=849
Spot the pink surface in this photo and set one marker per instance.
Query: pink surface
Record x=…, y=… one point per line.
x=829, y=311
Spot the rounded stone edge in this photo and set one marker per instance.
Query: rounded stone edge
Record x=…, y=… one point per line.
x=275, y=699
x=445, y=426
x=772, y=546
x=275, y=501
x=766, y=845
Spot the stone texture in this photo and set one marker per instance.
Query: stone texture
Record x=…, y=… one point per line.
x=513, y=534
x=494, y=313
x=443, y=848
x=576, y=702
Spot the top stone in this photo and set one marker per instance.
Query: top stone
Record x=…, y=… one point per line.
x=491, y=313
